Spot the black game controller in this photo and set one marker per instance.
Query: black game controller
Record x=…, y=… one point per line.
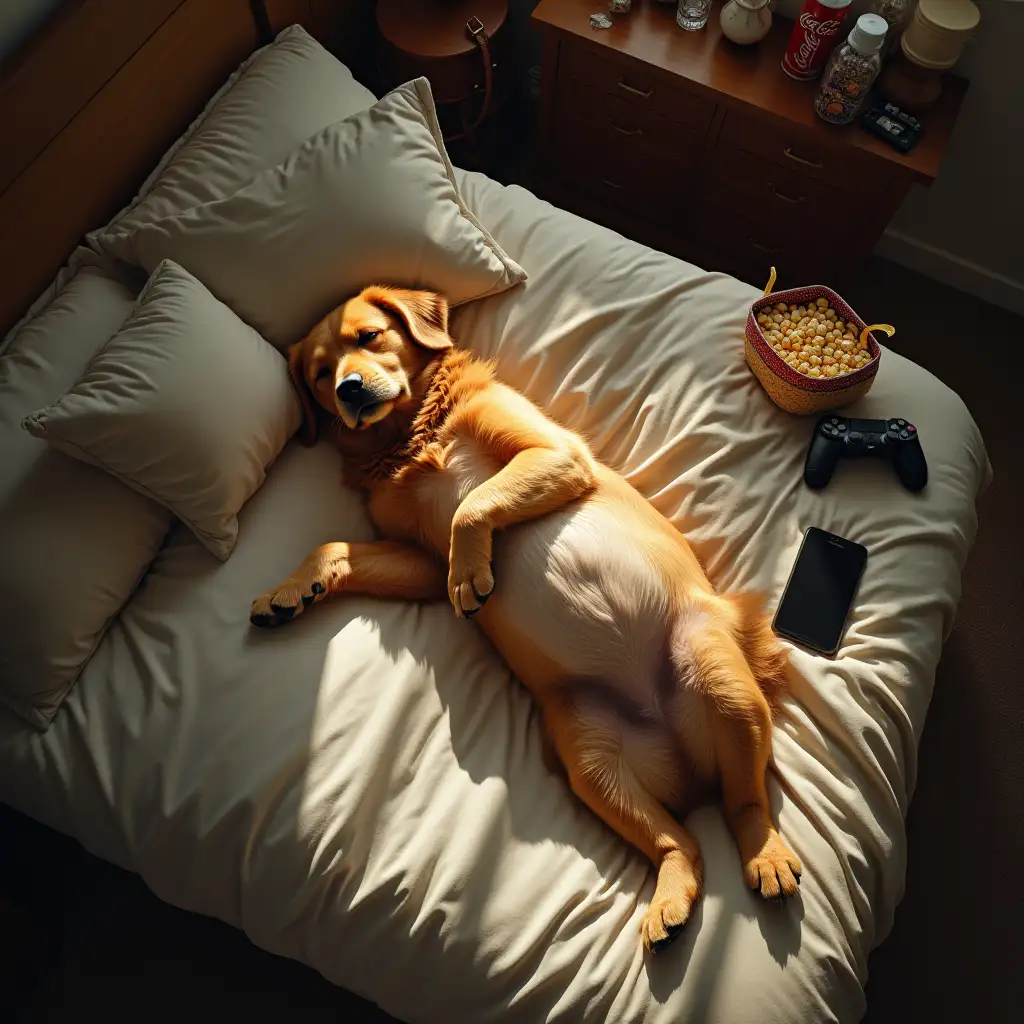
x=836, y=437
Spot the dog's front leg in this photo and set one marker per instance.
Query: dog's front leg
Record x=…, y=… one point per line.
x=382, y=568
x=533, y=483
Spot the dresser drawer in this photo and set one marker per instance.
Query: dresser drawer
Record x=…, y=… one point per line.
x=770, y=192
x=797, y=151
x=646, y=186
x=636, y=85
x=749, y=248
x=626, y=126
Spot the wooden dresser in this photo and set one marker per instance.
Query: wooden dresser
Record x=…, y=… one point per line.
x=695, y=146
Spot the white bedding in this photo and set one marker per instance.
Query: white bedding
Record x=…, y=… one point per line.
x=363, y=790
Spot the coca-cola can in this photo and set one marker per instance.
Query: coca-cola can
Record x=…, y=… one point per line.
x=813, y=37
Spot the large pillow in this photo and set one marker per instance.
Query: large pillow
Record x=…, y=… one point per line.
x=74, y=542
x=371, y=199
x=278, y=98
x=185, y=404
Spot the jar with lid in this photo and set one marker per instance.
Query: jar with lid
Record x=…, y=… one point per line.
x=851, y=71
x=897, y=14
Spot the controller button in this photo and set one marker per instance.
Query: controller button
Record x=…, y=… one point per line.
x=833, y=421
x=912, y=428
x=904, y=435
x=902, y=423
x=856, y=436
x=842, y=427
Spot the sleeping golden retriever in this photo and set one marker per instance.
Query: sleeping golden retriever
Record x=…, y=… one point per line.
x=652, y=687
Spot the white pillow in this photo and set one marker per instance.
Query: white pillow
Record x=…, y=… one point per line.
x=74, y=542
x=186, y=405
x=278, y=98
x=371, y=199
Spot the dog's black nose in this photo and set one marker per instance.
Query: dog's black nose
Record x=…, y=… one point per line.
x=350, y=387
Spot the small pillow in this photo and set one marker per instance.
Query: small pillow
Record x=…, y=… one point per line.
x=74, y=543
x=371, y=199
x=186, y=405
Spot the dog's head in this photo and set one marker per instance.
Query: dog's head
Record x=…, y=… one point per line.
x=359, y=362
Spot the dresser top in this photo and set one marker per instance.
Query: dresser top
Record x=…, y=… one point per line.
x=749, y=78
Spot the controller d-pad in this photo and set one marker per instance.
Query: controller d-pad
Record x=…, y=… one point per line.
x=856, y=436
x=842, y=428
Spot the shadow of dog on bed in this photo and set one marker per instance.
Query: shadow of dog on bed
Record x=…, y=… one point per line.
x=651, y=687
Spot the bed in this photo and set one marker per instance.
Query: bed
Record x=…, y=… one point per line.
x=364, y=791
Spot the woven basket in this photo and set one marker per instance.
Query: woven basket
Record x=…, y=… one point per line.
x=788, y=388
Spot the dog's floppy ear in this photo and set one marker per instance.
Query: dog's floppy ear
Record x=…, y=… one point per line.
x=298, y=375
x=425, y=314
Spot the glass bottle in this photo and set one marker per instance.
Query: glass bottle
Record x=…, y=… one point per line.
x=851, y=71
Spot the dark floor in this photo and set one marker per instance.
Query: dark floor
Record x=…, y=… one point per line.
x=79, y=938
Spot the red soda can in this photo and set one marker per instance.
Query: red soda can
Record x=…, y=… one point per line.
x=813, y=37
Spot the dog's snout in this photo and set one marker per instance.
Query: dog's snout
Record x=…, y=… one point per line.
x=350, y=388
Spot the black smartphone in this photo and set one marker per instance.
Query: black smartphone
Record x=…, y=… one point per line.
x=819, y=594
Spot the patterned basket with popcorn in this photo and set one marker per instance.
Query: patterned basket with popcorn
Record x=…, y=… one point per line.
x=787, y=387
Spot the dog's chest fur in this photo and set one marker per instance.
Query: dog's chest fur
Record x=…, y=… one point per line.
x=455, y=470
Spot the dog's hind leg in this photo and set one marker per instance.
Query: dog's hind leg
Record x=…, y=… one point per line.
x=710, y=666
x=590, y=745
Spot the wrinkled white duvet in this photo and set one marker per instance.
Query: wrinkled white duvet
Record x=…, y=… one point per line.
x=363, y=789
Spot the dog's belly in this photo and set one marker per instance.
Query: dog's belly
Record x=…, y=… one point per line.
x=576, y=583
x=579, y=586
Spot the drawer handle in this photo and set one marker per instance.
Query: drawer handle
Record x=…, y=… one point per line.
x=816, y=164
x=771, y=250
x=610, y=184
x=628, y=131
x=644, y=94
x=782, y=195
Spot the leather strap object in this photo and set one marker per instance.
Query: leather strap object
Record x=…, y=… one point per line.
x=475, y=29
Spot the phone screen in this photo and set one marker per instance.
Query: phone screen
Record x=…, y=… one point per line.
x=820, y=590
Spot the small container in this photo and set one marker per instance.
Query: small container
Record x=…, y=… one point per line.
x=911, y=87
x=851, y=71
x=788, y=388
x=897, y=14
x=692, y=15
x=938, y=32
x=746, y=21
x=813, y=36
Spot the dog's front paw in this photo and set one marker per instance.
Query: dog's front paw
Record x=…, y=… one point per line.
x=284, y=603
x=470, y=576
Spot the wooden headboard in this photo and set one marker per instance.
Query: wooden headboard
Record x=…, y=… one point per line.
x=93, y=101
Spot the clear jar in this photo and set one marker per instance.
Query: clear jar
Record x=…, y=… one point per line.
x=851, y=71
x=897, y=14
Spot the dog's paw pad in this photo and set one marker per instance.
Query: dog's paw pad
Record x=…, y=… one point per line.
x=283, y=611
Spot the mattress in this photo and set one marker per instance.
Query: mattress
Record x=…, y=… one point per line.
x=364, y=790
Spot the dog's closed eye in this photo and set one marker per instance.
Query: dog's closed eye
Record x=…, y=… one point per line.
x=365, y=337
x=323, y=373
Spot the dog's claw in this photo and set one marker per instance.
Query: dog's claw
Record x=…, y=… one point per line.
x=318, y=588
x=662, y=944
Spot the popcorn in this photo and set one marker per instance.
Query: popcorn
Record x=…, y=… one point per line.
x=813, y=338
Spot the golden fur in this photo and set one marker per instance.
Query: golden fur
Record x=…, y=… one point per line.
x=652, y=687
